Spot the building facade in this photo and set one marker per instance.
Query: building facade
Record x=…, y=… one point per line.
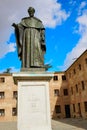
x=8, y=98
x=77, y=83
x=59, y=96
x=68, y=93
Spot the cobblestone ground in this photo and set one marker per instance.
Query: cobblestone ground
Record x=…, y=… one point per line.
x=61, y=124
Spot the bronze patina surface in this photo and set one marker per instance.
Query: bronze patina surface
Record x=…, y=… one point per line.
x=30, y=39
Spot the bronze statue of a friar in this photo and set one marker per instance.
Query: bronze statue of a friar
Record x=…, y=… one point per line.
x=30, y=39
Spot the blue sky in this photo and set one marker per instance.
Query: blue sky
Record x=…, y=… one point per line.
x=66, y=31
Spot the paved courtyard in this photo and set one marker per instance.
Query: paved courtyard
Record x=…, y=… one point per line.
x=69, y=124
x=61, y=124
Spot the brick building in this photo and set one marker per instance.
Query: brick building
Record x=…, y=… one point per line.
x=77, y=83
x=68, y=93
x=59, y=96
x=8, y=98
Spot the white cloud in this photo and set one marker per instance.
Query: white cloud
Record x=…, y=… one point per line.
x=82, y=20
x=81, y=46
x=83, y=4
x=6, y=48
x=53, y=14
x=81, y=7
x=48, y=11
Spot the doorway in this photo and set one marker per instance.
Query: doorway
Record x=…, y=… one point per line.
x=67, y=111
x=79, y=109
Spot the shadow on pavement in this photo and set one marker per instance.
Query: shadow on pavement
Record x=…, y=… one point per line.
x=77, y=122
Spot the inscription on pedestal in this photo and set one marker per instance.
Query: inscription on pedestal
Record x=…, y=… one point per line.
x=34, y=104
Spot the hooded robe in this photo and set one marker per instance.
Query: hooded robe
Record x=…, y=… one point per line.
x=30, y=41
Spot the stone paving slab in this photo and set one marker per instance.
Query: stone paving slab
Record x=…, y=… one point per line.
x=60, y=124
x=8, y=125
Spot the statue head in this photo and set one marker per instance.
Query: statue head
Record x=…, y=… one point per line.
x=31, y=11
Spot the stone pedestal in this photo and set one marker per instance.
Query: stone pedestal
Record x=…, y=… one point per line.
x=33, y=100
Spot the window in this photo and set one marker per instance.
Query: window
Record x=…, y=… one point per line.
x=2, y=112
x=86, y=60
x=74, y=71
x=76, y=88
x=79, y=66
x=2, y=95
x=65, y=91
x=15, y=94
x=83, y=86
x=57, y=109
x=56, y=92
x=79, y=108
x=85, y=105
x=2, y=80
x=73, y=107
x=55, y=78
x=14, y=111
x=63, y=77
x=72, y=90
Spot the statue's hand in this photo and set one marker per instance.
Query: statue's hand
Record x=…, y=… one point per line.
x=14, y=25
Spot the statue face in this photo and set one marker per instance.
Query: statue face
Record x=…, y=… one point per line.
x=31, y=11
